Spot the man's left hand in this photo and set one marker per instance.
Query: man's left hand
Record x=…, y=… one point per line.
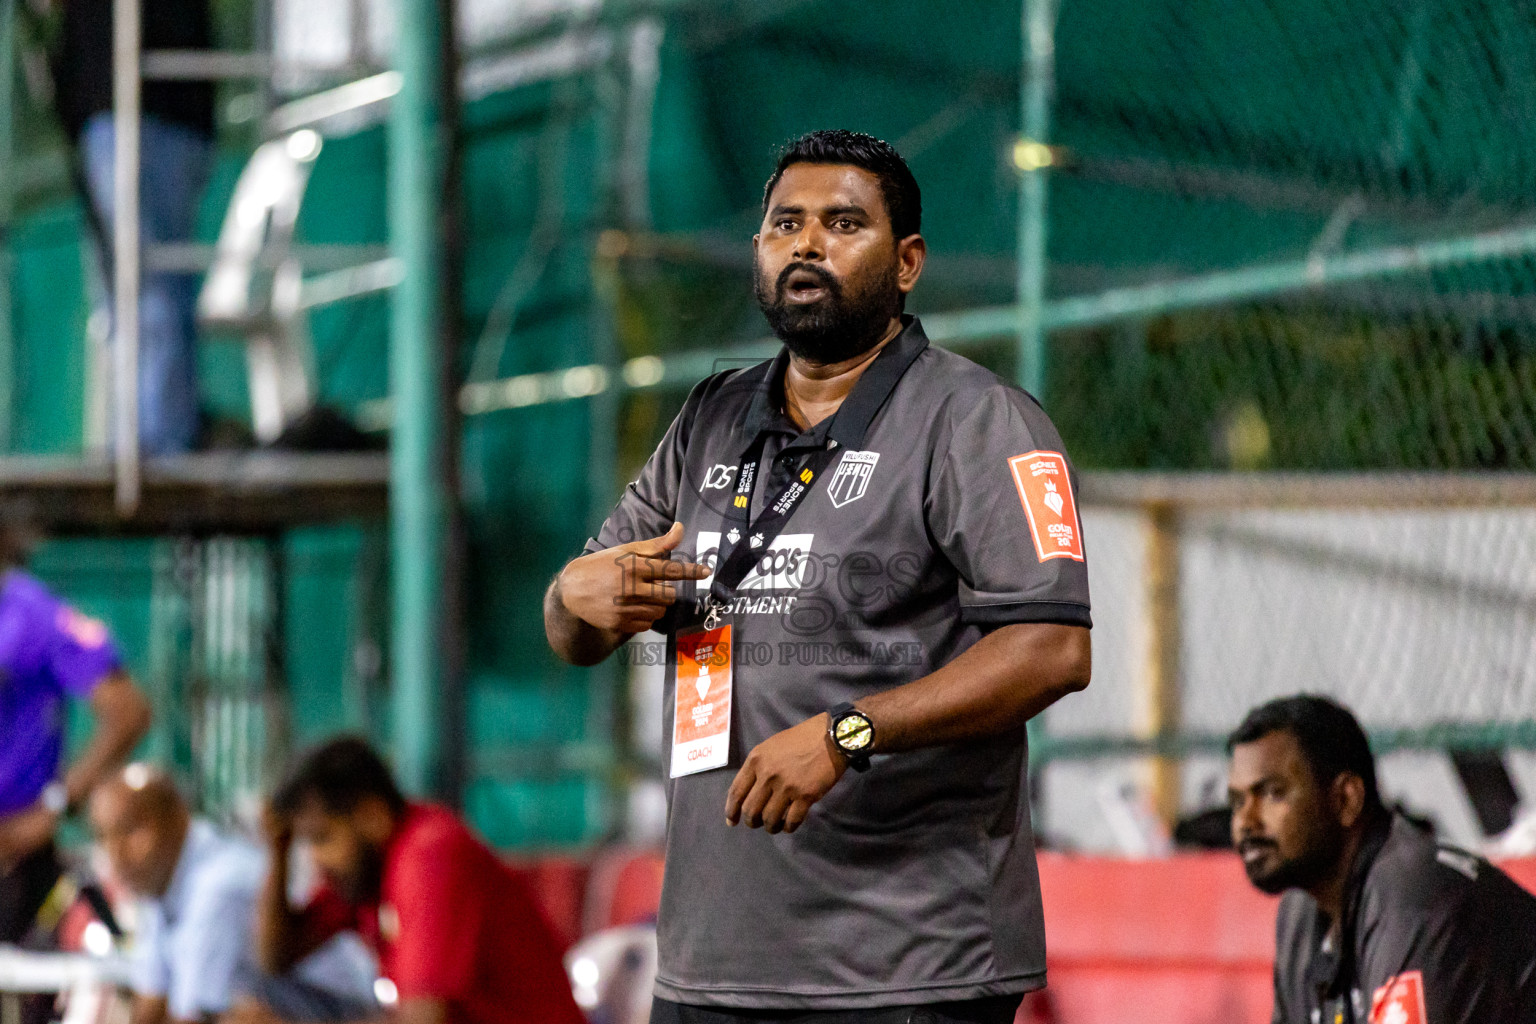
x=783, y=776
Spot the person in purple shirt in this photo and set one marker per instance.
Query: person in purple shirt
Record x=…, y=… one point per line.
x=50, y=653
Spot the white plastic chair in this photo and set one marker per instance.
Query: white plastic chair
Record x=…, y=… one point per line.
x=254, y=287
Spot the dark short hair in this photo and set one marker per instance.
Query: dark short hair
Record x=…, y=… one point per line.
x=1329, y=736
x=903, y=199
x=338, y=775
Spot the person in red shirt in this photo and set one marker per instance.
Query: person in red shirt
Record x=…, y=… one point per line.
x=459, y=937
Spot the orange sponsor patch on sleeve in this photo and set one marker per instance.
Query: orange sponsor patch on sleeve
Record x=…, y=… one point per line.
x=1046, y=493
x=1400, y=1000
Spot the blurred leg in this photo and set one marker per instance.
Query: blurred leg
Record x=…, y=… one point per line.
x=22, y=891
x=175, y=163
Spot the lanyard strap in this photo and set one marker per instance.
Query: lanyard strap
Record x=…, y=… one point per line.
x=744, y=540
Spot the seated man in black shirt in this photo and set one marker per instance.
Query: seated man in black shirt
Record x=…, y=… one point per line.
x=1379, y=924
x=176, y=140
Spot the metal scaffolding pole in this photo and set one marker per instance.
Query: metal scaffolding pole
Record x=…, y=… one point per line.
x=1032, y=157
x=126, y=48
x=1246, y=284
x=963, y=328
x=420, y=444
x=7, y=191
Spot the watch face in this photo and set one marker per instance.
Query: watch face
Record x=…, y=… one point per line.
x=853, y=732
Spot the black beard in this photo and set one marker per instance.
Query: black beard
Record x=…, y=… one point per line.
x=367, y=881
x=1302, y=871
x=838, y=327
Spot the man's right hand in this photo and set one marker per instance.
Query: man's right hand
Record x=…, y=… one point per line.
x=25, y=832
x=276, y=828
x=629, y=587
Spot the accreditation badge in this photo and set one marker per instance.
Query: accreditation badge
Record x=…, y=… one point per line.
x=701, y=724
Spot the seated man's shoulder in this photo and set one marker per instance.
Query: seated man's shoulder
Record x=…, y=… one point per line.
x=1416, y=878
x=228, y=869
x=436, y=830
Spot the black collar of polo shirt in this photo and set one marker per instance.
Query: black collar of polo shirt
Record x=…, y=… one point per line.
x=851, y=422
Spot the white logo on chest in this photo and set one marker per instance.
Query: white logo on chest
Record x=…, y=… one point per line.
x=779, y=566
x=718, y=477
x=1053, y=498
x=852, y=477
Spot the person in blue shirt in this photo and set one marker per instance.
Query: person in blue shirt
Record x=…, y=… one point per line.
x=49, y=654
x=194, y=924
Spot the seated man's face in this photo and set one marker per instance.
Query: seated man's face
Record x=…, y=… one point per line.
x=133, y=843
x=345, y=852
x=1282, y=825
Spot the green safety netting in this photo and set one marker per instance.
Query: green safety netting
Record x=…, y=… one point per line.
x=1191, y=139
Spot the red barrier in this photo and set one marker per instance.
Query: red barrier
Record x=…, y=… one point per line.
x=1184, y=940
x=625, y=888
x=1522, y=871
x=559, y=884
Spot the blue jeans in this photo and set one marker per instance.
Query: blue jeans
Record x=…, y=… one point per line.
x=174, y=168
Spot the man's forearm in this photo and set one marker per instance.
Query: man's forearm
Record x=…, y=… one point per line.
x=122, y=718
x=1004, y=680
x=279, y=928
x=573, y=639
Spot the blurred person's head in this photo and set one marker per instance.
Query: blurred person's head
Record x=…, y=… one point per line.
x=18, y=536
x=344, y=805
x=839, y=245
x=140, y=821
x=1302, y=788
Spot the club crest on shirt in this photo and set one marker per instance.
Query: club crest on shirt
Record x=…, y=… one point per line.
x=1400, y=1000
x=851, y=479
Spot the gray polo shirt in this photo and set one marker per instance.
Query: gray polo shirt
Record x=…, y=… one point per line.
x=1435, y=935
x=949, y=512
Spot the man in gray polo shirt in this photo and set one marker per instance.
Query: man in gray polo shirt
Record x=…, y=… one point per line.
x=903, y=617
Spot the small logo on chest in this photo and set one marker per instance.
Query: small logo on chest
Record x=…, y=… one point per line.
x=851, y=479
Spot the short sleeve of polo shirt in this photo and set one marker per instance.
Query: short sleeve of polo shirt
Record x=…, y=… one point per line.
x=77, y=649
x=649, y=504
x=1002, y=508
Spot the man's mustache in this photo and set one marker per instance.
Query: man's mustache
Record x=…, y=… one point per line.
x=826, y=280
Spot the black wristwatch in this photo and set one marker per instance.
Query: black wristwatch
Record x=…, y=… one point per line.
x=853, y=734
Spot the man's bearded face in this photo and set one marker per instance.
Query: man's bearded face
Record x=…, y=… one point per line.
x=1282, y=824
x=825, y=262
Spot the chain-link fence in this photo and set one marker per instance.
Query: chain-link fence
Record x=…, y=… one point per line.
x=1412, y=599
